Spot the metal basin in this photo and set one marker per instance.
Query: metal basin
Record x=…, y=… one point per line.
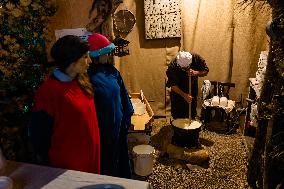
x=186, y=133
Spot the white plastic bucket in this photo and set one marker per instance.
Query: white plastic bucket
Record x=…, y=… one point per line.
x=143, y=159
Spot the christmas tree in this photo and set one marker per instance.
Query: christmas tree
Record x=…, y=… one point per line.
x=23, y=66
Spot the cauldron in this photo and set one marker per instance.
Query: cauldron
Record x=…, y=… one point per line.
x=185, y=134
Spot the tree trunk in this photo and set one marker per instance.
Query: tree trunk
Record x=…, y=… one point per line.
x=266, y=163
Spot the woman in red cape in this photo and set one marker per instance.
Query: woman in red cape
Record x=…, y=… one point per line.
x=64, y=128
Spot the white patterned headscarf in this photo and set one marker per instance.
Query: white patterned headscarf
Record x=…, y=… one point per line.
x=184, y=59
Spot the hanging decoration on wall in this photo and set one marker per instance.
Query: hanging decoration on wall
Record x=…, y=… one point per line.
x=162, y=18
x=124, y=21
x=99, y=12
x=116, y=3
x=121, y=46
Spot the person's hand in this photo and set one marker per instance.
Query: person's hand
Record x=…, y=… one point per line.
x=192, y=72
x=188, y=98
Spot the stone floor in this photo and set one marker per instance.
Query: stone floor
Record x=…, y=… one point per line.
x=226, y=168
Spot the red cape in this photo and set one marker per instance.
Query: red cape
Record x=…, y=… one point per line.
x=75, y=142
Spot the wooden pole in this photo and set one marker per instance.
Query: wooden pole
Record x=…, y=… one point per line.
x=189, y=104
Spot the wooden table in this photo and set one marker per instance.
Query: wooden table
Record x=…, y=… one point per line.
x=30, y=176
x=220, y=116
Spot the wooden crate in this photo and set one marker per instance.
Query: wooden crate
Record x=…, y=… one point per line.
x=141, y=122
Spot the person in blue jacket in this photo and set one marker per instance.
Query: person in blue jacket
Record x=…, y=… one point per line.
x=114, y=108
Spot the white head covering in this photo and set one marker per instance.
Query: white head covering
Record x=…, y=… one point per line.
x=184, y=59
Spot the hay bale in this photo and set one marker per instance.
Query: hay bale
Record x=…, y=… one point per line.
x=162, y=138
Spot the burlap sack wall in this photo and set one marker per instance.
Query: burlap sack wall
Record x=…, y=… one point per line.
x=70, y=14
x=249, y=40
x=229, y=38
x=144, y=69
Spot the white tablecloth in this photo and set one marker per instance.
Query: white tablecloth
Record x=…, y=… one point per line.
x=29, y=176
